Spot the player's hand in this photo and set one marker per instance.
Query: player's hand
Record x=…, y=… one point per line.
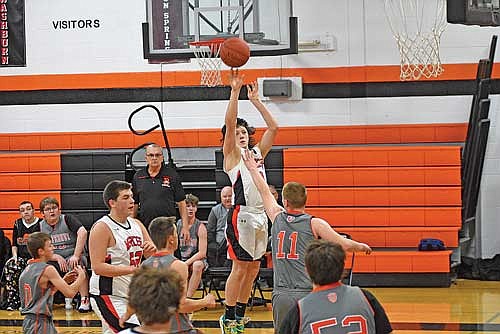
x=148, y=248
x=209, y=300
x=73, y=261
x=250, y=161
x=364, y=248
x=235, y=80
x=185, y=235
x=253, y=91
x=14, y=257
x=128, y=313
x=61, y=262
x=80, y=271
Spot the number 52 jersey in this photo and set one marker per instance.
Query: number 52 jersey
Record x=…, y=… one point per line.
x=127, y=251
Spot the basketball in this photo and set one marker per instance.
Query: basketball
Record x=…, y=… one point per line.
x=234, y=52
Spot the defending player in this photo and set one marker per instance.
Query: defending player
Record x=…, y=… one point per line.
x=292, y=230
x=332, y=306
x=163, y=231
x=246, y=229
x=38, y=283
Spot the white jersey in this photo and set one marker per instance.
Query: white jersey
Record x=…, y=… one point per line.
x=127, y=251
x=245, y=191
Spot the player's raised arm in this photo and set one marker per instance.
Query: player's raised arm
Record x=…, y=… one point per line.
x=230, y=148
x=324, y=231
x=269, y=135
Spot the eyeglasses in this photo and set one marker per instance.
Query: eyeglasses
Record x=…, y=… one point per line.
x=154, y=155
x=51, y=208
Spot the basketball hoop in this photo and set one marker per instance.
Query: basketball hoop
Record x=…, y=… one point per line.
x=417, y=26
x=207, y=53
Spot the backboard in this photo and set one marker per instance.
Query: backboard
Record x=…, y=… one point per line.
x=474, y=12
x=268, y=26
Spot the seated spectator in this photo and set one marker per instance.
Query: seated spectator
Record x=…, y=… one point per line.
x=194, y=251
x=5, y=249
x=216, y=230
x=23, y=227
x=331, y=303
x=68, y=238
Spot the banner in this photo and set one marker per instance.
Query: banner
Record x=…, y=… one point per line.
x=12, y=34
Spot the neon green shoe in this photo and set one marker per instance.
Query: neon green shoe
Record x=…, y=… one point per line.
x=227, y=326
x=240, y=324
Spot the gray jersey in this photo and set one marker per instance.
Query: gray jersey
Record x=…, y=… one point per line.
x=35, y=299
x=179, y=321
x=63, y=239
x=291, y=234
x=336, y=309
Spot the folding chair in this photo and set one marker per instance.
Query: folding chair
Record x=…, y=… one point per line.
x=211, y=275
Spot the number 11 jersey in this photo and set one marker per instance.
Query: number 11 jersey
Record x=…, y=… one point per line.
x=291, y=233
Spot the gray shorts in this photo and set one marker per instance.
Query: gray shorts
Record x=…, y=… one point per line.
x=38, y=323
x=282, y=302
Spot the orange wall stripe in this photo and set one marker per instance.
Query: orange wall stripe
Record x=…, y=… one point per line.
x=287, y=136
x=389, y=73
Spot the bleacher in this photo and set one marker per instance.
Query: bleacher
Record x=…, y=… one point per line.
x=389, y=196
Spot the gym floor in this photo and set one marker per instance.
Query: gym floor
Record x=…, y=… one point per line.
x=465, y=307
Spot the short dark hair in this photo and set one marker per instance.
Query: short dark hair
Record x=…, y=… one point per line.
x=112, y=190
x=155, y=294
x=243, y=123
x=26, y=202
x=324, y=262
x=46, y=201
x=160, y=229
x=37, y=241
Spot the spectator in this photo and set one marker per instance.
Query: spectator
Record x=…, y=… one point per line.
x=68, y=238
x=5, y=250
x=156, y=189
x=194, y=250
x=331, y=304
x=23, y=227
x=216, y=230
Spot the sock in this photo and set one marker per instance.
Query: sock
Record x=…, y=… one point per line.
x=230, y=314
x=240, y=309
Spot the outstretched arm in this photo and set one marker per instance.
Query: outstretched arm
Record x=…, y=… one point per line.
x=230, y=149
x=270, y=204
x=324, y=231
x=267, y=140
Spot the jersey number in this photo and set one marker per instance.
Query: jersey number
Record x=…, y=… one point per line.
x=317, y=326
x=135, y=258
x=27, y=294
x=292, y=255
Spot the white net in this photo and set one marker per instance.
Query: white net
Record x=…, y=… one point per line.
x=417, y=26
x=207, y=54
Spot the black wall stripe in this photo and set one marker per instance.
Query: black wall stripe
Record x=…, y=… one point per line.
x=310, y=91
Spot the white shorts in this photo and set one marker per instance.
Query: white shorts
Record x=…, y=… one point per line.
x=109, y=309
x=246, y=233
